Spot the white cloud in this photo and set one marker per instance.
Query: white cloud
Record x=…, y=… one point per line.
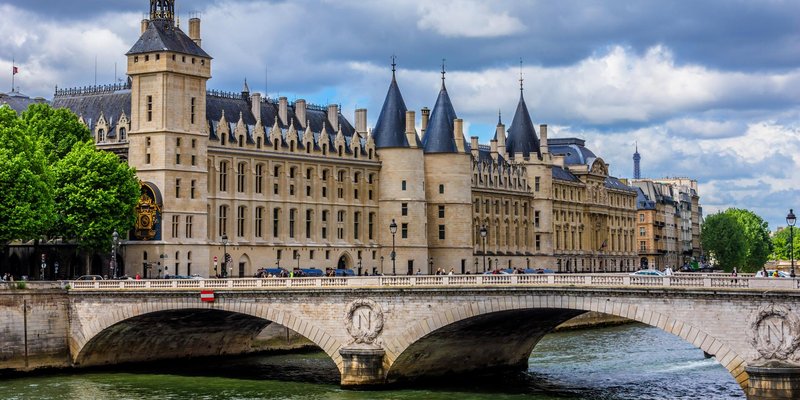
x=464, y=18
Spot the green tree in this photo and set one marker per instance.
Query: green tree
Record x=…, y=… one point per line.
x=57, y=130
x=723, y=238
x=758, y=245
x=781, y=247
x=26, y=197
x=95, y=193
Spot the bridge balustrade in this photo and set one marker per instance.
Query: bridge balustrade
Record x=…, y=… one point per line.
x=598, y=280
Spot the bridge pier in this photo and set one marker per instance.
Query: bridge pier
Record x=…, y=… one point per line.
x=772, y=382
x=362, y=366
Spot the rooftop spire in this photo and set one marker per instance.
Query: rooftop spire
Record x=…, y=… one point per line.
x=520, y=74
x=162, y=10
x=394, y=65
x=499, y=117
x=443, y=71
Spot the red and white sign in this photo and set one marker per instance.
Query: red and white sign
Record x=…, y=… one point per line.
x=207, y=296
x=215, y=258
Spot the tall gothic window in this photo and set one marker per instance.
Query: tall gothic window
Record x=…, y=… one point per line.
x=223, y=176
x=240, y=175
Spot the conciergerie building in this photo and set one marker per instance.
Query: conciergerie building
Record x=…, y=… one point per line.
x=273, y=182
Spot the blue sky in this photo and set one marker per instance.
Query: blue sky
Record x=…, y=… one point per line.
x=708, y=89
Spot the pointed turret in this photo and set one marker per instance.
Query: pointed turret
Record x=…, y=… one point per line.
x=439, y=134
x=391, y=126
x=522, y=139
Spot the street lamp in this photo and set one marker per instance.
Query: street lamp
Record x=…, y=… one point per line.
x=484, y=232
x=224, y=255
x=297, y=257
x=791, y=220
x=430, y=264
x=114, y=244
x=393, y=230
x=382, y=265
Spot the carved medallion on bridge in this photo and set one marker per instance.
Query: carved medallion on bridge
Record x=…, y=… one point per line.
x=775, y=332
x=364, y=321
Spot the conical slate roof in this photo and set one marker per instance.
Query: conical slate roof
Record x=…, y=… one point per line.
x=390, y=130
x=522, y=139
x=439, y=134
x=162, y=35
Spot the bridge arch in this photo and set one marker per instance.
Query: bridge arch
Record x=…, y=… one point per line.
x=403, y=357
x=88, y=335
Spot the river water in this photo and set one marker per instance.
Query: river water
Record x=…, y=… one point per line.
x=625, y=362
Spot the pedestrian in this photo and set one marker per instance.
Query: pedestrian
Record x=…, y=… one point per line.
x=138, y=277
x=734, y=272
x=452, y=271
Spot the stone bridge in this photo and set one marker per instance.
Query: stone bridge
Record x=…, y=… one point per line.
x=382, y=330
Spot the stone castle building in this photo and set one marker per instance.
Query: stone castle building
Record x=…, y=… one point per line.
x=279, y=183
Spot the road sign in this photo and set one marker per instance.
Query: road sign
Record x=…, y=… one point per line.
x=207, y=296
x=215, y=258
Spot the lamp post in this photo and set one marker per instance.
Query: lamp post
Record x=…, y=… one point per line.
x=430, y=264
x=484, y=232
x=114, y=244
x=224, y=256
x=359, y=267
x=393, y=230
x=791, y=220
x=297, y=257
x=382, y=265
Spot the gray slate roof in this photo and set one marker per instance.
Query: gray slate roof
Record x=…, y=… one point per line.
x=564, y=175
x=439, y=134
x=18, y=101
x=391, y=126
x=90, y=106
x=573, y=150
x=522, y=139
x=162, y=35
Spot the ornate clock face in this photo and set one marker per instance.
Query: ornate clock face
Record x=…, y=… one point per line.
x=144, y=221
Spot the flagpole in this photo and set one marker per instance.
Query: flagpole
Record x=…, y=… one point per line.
x=13, y=66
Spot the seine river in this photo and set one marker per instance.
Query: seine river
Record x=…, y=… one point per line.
x=626, y=362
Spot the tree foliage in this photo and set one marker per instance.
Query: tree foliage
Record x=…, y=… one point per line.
x=56, y=129
x=95, y=194
x=780, y=244
x=54, y=183
x=758, y=245
x=26, y=203
x=724, y=240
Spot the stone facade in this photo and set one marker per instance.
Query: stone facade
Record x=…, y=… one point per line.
x=278, y=183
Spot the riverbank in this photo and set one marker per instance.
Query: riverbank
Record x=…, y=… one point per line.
x=592, y=320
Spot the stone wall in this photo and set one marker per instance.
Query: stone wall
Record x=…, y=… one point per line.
x=33, y=329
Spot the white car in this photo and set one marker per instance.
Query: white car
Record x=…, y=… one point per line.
x=648, y=272
x=771, y=273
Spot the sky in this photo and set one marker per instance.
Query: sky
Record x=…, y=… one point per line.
x=707, y=89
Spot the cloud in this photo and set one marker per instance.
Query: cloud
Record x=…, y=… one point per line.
x=468, y=19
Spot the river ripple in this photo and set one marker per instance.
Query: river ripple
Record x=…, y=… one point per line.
x=626, y=362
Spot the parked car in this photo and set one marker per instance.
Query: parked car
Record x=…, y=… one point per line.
x=771, y=274
x=312, y=272
x=539, y=271
x=90, y=278
x=648, y=272
x=499, y=272
x=343, y=272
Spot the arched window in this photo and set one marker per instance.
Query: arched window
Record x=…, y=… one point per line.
x=223, y=220
x=122, y=134
x=260, y=178
x=101, y=135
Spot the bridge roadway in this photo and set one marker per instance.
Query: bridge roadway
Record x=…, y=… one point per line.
x=384, y=329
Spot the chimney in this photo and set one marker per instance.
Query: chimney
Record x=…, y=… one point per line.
x=361, y=121
x=493, y=144
x=144, y=25
x=411, y=129
x=501, y=139
x=333, y=115
x=283, y=110
x=300, y=112
x=473, y=144
x=255, y=104
x=543, y=147
x=194, y=30
x=426, y=115
x=458, y=134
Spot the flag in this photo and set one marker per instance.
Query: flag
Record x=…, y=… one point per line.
x=603, y=246
x=14, y=70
